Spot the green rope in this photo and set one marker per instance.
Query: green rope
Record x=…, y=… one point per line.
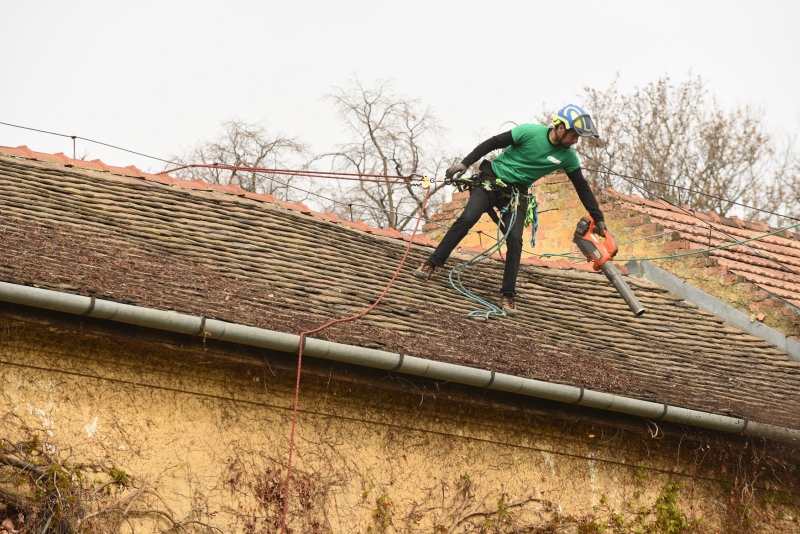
x=729, y=245
x=457, y=284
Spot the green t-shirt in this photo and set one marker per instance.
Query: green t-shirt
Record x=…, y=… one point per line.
x=532, y=156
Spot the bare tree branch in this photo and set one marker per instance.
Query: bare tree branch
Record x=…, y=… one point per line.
x=242, y=144
x=392, y=136
x=682, y=146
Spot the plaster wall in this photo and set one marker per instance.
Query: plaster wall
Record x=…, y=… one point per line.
x=208, y=431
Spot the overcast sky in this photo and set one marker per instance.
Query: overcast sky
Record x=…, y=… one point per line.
x=157, y=77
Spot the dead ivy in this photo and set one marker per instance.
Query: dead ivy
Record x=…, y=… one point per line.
x=45, y=491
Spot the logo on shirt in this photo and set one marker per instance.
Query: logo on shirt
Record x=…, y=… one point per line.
x=554, y=160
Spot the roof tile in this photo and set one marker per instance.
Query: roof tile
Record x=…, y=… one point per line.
x=129, y=171
x=160, y=178
x=230, y=189
x=197, y=184
x=386, y=232
x=215, y=255
x=94, y=165
x=328, y=216
x=263, y=197
x=60, y=158
x=295, y=206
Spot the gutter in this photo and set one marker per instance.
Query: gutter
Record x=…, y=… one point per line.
x=388, y=361
x=713, y=305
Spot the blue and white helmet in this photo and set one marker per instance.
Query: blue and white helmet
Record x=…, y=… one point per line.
x=574, y=118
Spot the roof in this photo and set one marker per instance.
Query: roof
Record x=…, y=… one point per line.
x=119, y=234
x=760, y=277
x=772, y=263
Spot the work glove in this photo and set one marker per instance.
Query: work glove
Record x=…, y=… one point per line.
x=600, y=228
x=456, y=171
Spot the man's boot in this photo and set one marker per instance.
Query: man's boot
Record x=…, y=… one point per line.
x=424, y=271
x=509, y=305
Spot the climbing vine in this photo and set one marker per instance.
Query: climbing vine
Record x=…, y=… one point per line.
x=45, y=492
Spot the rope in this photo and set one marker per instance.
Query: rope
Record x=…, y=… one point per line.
x=319, y=329
x=361, y=177
x=455, y=272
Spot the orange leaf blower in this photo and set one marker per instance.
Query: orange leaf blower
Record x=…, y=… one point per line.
x=601, y=253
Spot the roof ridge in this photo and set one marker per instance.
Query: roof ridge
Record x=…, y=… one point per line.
x=201, y=185
x=708, y=216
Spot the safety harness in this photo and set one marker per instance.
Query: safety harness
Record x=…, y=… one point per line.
x=486, y=179
x=455, y=273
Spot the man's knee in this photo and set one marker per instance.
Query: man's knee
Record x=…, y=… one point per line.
x=514, y=243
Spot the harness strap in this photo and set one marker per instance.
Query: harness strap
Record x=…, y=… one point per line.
x=486, y=179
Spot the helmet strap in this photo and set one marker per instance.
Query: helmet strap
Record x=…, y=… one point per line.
x=555, y=133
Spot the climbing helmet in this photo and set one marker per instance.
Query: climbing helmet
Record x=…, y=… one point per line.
x=574, y=117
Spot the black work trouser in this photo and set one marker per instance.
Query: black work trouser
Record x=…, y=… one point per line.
x=481, y=201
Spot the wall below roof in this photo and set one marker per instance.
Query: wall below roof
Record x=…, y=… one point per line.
x=208, y=427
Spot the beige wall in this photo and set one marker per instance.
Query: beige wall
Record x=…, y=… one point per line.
x=208, y=430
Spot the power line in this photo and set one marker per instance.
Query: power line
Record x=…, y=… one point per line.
x=171, y=162
x=703, y=251
x=74, y=137
x=709, y=195
x=692, y=214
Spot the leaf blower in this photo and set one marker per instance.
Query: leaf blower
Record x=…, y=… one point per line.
x=601, y=252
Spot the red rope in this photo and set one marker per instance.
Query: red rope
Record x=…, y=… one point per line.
x=323, y=327
x=379, y=178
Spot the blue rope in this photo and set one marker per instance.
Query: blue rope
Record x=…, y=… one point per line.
x=492, y=310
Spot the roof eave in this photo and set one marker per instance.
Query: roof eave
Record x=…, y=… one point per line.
x=389, y=361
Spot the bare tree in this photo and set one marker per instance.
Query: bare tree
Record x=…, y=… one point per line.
x=782, y=195
x=243, y=144
x=392, y=136
x=675, y=142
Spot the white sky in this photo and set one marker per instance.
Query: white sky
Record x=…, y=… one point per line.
x=158, y=76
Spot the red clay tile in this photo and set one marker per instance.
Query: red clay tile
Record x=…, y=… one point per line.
x=130, y=171
x=160, y=178
x=327, y=216
x=534, y=261
x=739, y=222
x=704, y=216
x=358, y=225
x=197, y=184
x=425, y=240
x=59, y=158
x=560, y=264
x=135, y=171
x=296, y=206
x=20, y=152
x=587, y=267
x=387, y=232
x=95, y=165
x=263, y=197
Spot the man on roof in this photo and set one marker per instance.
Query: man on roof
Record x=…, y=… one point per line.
x=532, y=151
